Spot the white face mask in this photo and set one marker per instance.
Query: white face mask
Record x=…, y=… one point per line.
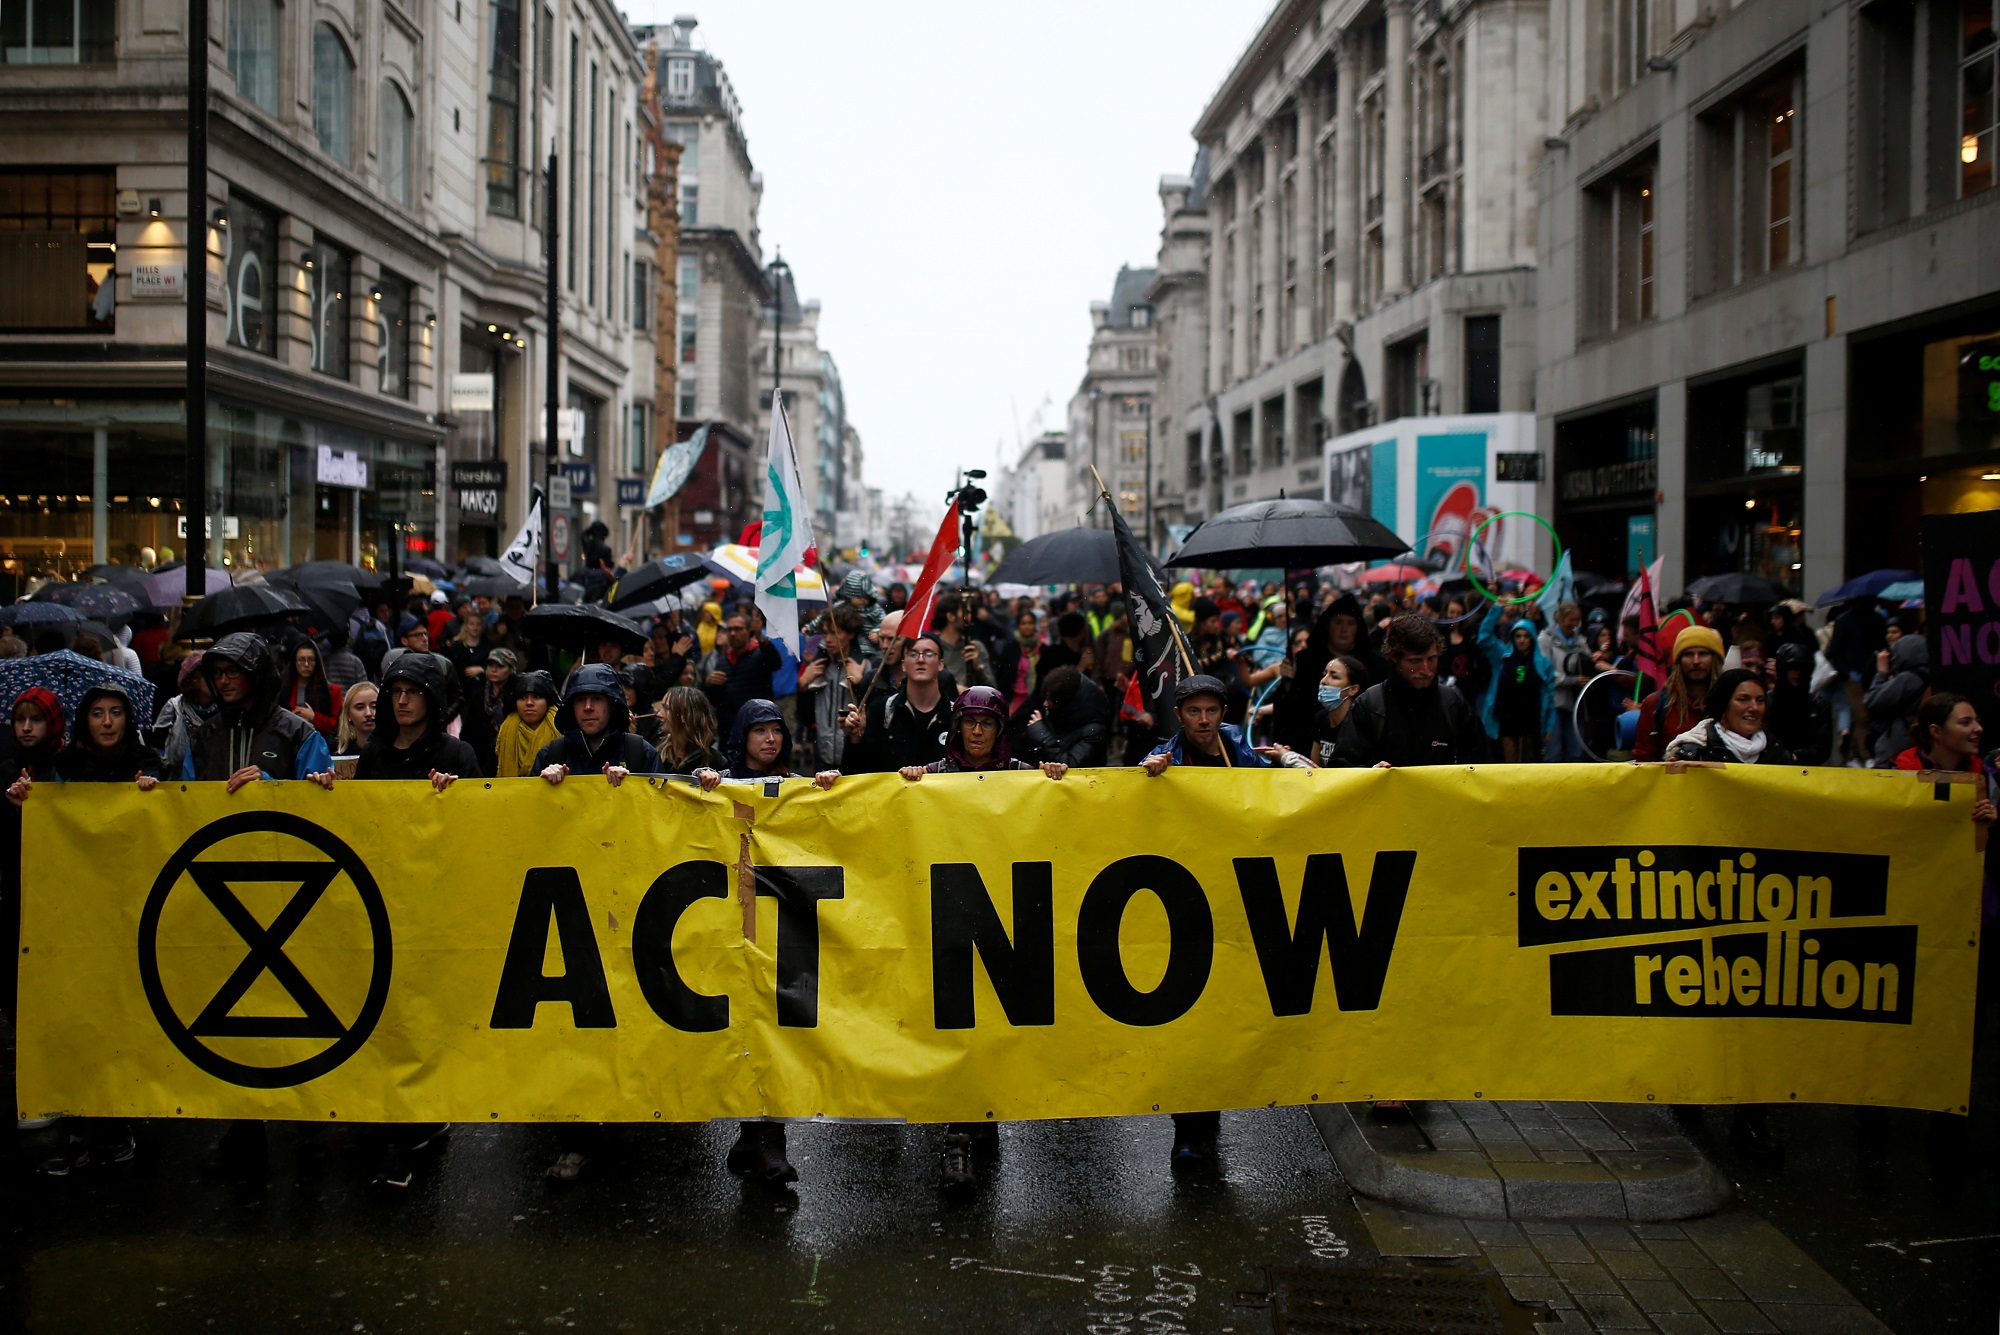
x=1331, y=696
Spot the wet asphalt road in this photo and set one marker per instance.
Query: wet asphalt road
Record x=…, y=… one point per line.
x=1079, y=1228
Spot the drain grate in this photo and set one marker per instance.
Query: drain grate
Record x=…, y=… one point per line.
x=1391, y=1300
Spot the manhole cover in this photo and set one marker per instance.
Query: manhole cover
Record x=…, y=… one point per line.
x=1392, y=1300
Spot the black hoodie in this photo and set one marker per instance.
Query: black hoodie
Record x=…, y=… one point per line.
x=436, y=749
x=82, y=762
x=256, y=732
x=616, y=747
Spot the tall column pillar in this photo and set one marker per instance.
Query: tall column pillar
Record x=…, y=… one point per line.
x=1305, y=232
x=1346, y=184
x=1396, y=153
x=1243, y=279
x=1218, y=285
x=1271, y=259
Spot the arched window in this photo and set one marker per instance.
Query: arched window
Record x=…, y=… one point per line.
x=396, y=128
x=333, y=94
x=253, y=50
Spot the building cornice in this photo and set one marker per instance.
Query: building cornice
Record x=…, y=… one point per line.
x=1264, y=51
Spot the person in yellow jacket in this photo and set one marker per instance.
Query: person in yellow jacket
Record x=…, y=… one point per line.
x=528, y=727
x=1183, y=601
x=709, y=627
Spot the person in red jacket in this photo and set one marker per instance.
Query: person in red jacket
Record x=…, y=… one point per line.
x=1683, y=701
x=307, y=692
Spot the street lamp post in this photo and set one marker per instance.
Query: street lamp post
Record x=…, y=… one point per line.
x=780, y=271
x=1096, y=396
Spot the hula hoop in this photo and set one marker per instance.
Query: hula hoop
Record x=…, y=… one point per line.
x=1478, y=604
x=1575, y=710
x=1547, y=528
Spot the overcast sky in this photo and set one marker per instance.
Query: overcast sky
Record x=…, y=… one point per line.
x=956, y=184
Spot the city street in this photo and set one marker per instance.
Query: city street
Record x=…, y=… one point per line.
x=1082, y=1228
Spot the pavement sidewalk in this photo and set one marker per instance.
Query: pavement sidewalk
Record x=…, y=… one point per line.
x=1484, y=1160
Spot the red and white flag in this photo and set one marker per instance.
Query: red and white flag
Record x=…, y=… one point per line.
x=1642, y=601
x=923, y=599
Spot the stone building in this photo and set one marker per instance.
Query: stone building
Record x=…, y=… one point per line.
x=802, y=373
x=372, y=233
x=1363, y=217
x=722, y=285
x=1111, y=414
x=1768, y=281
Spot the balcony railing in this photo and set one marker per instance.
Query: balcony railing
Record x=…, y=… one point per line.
x=1374, y=213
x=1436, y=163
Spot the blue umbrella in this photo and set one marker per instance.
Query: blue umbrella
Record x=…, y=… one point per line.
x=38, y=614
x=1869, y=585
x=69, y=676
x=94, y=600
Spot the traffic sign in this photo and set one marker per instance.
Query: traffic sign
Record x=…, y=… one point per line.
x=559, y=537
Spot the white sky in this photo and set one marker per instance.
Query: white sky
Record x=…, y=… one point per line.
x=956, y=184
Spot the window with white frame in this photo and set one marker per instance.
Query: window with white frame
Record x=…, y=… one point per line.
x=58, y=32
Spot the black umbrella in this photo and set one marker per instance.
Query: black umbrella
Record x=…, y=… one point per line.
x=479, y=565
x=1068, y=556
x=130, y=576
x=656, y=579
x=494, y=586
x=580, y=627
x=429, y=569
x=1737, y=589
x=1588, y=585
x=1289, y=534
x=244, y=607
x=328, y=595
x=334, y=571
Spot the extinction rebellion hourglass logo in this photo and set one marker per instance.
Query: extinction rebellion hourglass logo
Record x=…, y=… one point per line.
x=264, y=950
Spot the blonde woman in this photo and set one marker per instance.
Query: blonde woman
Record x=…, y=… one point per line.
x=357, y=719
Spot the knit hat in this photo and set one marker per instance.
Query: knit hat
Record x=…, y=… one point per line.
x=1204, y=608
x=1697, y=637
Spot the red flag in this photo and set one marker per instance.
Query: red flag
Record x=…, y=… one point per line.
x=1640, y=602
x=923, y=598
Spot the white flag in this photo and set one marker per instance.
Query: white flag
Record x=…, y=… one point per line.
x=523, y=558
x=787, y=532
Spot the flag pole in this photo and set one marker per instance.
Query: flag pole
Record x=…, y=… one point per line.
x=1180, y=640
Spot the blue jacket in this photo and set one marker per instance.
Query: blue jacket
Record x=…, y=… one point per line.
x=1232, y=738
x=1496, y=653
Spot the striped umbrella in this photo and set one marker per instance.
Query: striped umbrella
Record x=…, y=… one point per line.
x=739, y=563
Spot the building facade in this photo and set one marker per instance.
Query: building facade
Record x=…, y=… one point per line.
x=1365, y=216
x=1111, y=413
x=372, y=239
x=1768, y=281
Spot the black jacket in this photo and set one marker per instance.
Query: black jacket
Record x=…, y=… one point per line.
x=1395, y=722
x=618, y=745
x=748, y=678
x=1076, y=732
x=898, y=735
x=80, y=763
x=259, y=732
x=436, y=749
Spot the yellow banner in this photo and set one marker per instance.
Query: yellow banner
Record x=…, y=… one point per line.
x=999, y=946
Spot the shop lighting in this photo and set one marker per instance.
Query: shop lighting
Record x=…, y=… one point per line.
x=306, y=260
x=153, y=501
x=1968, y=149
x=221, y=219
x=1750, y=504
x=1989, y=477
x=153, y=208
x=430, y=319
x=340, y=296
x=376, y=294
x=1924, y=478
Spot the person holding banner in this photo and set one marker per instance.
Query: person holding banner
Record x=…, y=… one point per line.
x=417, y=746
x=250, y=736
x=1203, y=739
x=1733, y=733
x=595, y=732
x=1683, y=702
x=978, y=739
x=1073, y=725
x=529, y=726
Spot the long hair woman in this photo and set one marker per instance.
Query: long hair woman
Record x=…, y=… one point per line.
x=687, y=732
x=357, y=719
x=307, y=692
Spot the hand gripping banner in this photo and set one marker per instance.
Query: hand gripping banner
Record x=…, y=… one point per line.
x=999, y=945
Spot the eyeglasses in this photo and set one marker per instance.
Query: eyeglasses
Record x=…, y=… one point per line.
x=921, y=655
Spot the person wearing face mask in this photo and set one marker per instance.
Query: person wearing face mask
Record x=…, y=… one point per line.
x=1344, y=679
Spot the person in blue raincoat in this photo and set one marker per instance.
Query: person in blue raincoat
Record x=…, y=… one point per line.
x=1520, y=704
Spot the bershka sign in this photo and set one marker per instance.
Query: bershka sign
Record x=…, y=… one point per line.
x=477, y=487
x=988, y=946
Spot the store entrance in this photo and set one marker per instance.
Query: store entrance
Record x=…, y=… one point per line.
x=336, y=524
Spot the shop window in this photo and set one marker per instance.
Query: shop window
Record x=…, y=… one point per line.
x=392, y=335
x=58, y=32
x=253, y=51
x=1618, y=249
x=250, y=259
x=396, y=132
x=329, y=271
x=58, y=247
x=1747, y=184
x=1746, y=457
x=1978, y=72
x=503, y=110
x=333, y=94
x=1606, y=476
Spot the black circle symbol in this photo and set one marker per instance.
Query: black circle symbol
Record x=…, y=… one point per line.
x=266, y=950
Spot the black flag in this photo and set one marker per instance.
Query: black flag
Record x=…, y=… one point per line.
x=1159, y=650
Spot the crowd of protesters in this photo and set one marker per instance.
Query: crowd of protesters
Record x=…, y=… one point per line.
x=1303, y=674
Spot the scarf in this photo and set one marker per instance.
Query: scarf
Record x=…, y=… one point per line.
x=1743, y=750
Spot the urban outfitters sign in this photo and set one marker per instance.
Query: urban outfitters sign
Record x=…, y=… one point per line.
x=999, y=945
